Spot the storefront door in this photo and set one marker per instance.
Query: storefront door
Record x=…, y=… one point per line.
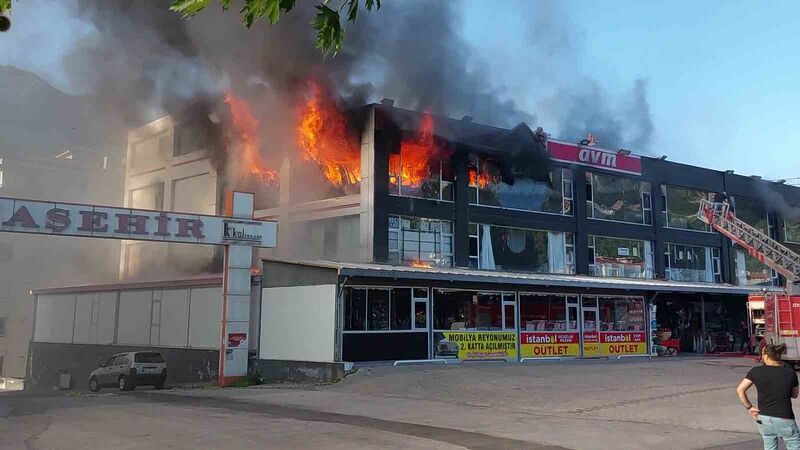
x=590, y=337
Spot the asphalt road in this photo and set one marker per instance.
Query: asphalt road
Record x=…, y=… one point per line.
x=673, y=404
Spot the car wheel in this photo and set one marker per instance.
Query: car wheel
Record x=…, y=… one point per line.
x=125, y=383
x=160, y=383
x=94, y=385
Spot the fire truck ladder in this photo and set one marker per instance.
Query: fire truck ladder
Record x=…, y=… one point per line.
x=767, y=250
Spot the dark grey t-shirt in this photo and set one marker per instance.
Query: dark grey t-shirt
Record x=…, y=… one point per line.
x=774, y=385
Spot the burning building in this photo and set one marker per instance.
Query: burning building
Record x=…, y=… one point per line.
x=415, y=236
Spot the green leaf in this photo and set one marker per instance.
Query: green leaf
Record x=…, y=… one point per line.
x=254, y=10
x=186, y=8
x=372, y=3
x=226, y=4
x=329, y=30
x=5, y=6
x=352, y=10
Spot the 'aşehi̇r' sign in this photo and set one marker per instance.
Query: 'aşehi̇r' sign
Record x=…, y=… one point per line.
x=594, y=157
x=70, y=219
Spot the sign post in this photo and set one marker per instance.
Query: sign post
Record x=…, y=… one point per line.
x=238, y=232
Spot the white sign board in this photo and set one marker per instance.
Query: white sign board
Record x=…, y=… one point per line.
x=71, y=219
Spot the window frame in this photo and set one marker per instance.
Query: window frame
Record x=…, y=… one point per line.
x=716, y=262
x=400, y=250
x=642, y=194
x=504, y=295
x=569, y=248
x=567, y=176
x=647, y=250
x=442, y=181
x=665, y=209
x=414, y=300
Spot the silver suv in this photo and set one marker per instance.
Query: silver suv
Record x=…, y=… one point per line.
x=128, y=370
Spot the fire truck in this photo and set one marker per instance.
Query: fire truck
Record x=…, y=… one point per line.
x=781, y=310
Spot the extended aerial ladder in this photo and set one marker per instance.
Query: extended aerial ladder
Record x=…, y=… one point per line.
x=762, y=247
x=781, y=309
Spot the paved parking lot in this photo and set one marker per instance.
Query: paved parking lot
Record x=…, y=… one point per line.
x=666, y=404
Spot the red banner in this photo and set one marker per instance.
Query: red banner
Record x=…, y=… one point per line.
x=595, y=157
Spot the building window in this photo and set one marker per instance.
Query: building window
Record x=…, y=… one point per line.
x=384, y=309
x=2, y=331
x=516, y=249
x=791, y=230
x=470, y=311
x=548, y=312
x=193, y=137
x=149, y=152
x=149, y=197
x=421, y=171
x=490, y=184
x=414, y=240
x=617, y=198
x=752, y=272
x=621, y=314
x=681, y=205
x=752, y=212
x=619, y=257
x=690, y=263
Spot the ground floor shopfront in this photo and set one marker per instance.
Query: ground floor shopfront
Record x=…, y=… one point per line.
x=419, y=322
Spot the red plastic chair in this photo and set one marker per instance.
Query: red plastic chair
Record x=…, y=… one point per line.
x=672, y=347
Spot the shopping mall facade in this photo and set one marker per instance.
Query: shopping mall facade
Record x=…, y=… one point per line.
x=498, y=247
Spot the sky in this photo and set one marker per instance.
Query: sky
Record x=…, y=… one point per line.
x=720, y=78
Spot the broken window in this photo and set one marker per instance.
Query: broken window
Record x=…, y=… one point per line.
x=681, y=205
x=616, y=198
x=496, y=183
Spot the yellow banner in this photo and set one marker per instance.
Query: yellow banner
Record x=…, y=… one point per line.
x=477, y=345
x=631, y=348
x=549, y=344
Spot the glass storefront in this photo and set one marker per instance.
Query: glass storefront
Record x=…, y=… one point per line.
x=512, y=325
x=470, y=325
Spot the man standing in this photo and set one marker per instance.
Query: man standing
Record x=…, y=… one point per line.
x=776, y=386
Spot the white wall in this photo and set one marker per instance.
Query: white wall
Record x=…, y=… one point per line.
x=177, y=318
x=134, y=317
x=174, y=318
x=54, y=318
x=297, y=323
x=205, y=318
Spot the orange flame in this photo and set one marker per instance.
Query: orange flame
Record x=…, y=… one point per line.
x=420, y=264
x=416, y=154
x=324, y=138
x=481, y=180
x=245, y=127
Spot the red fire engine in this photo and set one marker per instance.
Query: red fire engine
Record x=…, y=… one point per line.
x=781, y=315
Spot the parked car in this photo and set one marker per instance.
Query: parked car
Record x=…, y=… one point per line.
x=128, y=370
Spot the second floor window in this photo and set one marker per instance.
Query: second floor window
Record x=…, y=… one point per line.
x=517, y=249
x=752, y=272
x=791, y=230
x=420, y=241
x=616, y=198
x=691, y=263
x=619, y=257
